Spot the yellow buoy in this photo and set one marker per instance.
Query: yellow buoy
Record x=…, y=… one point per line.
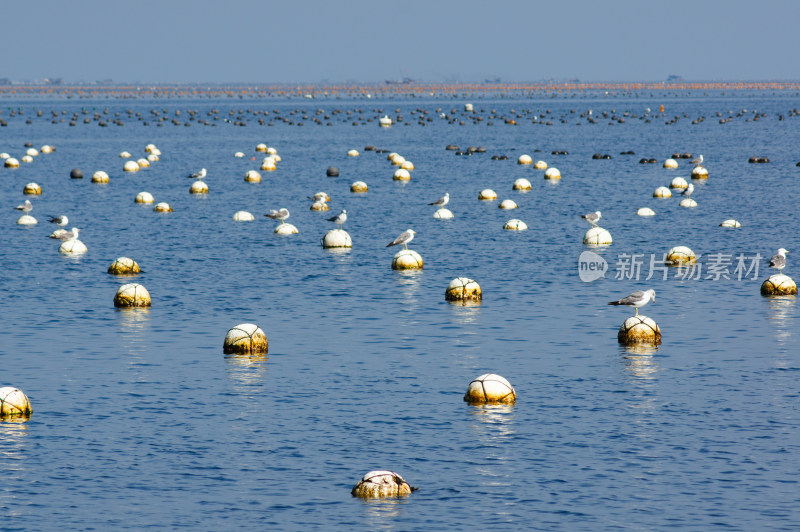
x=245, y=338
x=379, y=484
x=132, y=295
x=639, y=330
x=490, y=388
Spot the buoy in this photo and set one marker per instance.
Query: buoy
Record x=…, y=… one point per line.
x=239, y=154
x=670, y=164
x=32, y=152
x=143, y=163
x=274, y=152
x=358, y=187
x=779, y=285
x=468, y=107
x=320, y=206
x=540, y=165
x=463, y=288
x=522, y=184
x=198, y=187
x=679, y=182
x=515, y=225
x=76, y=173
x=337, y=238
x=4, y=156
x=268, y=164
x=245, y=339
x=398, y=160
x=680, y=255
x=490, y=388
x=507, y=204
x=14, y=404
x=130, y=166
x=385, y=121
x=243, y=216
x=144, y=197
x=688, y=202
x=645, y=211
x=699, y=173
x=379, y=484
x=100, y=177
x=730, y=223
x=443, y=214
x=261, y=147
x=524, y=159
x=132, y=295
x=407, y=165
x=487, y=194
x=252, y=176
x=662, y=192
x=552, y=173
x=401, y=174
x=46, y=149
x=124, y=266
x=26, y=159
x=27, y=219
x=32, y=189
x=72, y=247
x=11, y=163
x=353, y=153
x=152, y=157
x=597, y=236
x=332, y=171
x=150, y=148
x=639, y=330
x=162, y=207
x=407, y=259
x=286, y=229
x=125, y=155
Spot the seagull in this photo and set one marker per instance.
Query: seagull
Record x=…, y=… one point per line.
x=592, y=217
x=59, y=220
x=441, y=202
x=281, y=214
x=339, y=219
x=404, y=238
x=66, y=235
x=636, y=299
x=688, y=190
x=198, y=175
x=320, y=197
x=697, y=161
x=778, y=262
x=25, y=207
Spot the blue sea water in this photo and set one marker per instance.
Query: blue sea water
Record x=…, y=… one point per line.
x=141, y=422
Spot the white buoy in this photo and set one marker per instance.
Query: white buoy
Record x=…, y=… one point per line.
x=688, y=202
x=490, y=388
x=150, y=148
x=680, y=255
x=515, y=225
x=11, y=163
x=522, y=184
x=358, y=187
x=198, y=187
x=152, y=157
x=379, y=484
x=144, y=197
x=397, y=160
x=443, y=214
x=26, y=159
x=14, y=404
x=639, y=330
x=407, y=259
x=730, y=223
x=597, y=236
x=252, y=176
x=239, y=154
x=243, y=216
x=72, y=247
x=46, y=149
x=468, y=107
x=274, y=152
x=32, y=189
x=540, y=165
x=670, y=164
x=699, y=173
x=132, y=295
x=385, y=121
x=27, y=219
x=130, y=166
x=407, y=165
x=779, y=285
x=162, y=207
x=125, y=155
x=32, y=152
x=552, y=174
x=268, y=164
x=320, y=206
x=353, y=153
x=261, y=147
x=662, y=192
x=487, y=194
x=245, y=339
x=4, y=156
x=401, y=174
x=143, y=163
x=507, y=204
x=463, y=288
x=337, y=238
x=286, y=229
x=679, y=182
x=524, y=159
x=124, y=266
x=645, y=211
x=100, y=177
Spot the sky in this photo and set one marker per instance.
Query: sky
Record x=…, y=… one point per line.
x=302, y=41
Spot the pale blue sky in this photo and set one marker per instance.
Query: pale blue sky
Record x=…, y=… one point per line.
x=373, y=40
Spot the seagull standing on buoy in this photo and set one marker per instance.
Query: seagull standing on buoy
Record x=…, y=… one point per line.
x=25, y=207
x=688, y=190
x=339, y=219
x=404, y=238
x=592, y=217
x=280, y=215
x=697, y=161
x=637, y=299
x=778, y=262
x=198, y=175
x=67, y=235
x=441, y=202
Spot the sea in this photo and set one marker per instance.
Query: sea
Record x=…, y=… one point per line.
x=141, y=422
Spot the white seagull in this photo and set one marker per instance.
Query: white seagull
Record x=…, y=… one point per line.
x=25, y=207
x=280, y=215
x=66, y=235
x=59, y=220
x=198, y=175
x=339, y=219
x=778, y=262
x=404, y=238
x=688, y=190
x=697, y=161
x=441, y=202
x=592, y=217
x=636, y=299
x=320, y=197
